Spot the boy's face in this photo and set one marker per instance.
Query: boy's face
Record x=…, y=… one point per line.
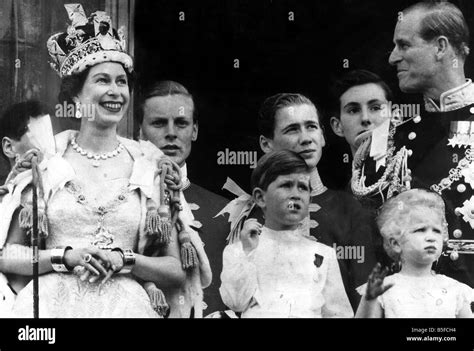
x=297, y=129
x=361, y=110
x=422, y=242
x=11, y=147
x=285, y=202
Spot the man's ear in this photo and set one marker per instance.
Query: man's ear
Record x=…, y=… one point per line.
x=442, y=46
x=259, y=197
x=7, y=147
x=195, y=131
x=266, y=144
x=336, y=126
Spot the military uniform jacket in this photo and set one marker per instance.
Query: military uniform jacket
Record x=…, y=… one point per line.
x=213, y=232
x=442, y=160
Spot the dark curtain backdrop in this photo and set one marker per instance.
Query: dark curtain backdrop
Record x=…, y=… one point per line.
x=275, y=55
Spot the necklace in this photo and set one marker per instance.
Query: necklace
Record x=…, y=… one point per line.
x=96, y=157
x=101, y=237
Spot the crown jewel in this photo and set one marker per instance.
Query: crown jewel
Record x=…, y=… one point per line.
x=87, y=42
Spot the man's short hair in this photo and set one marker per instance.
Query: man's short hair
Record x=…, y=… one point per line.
x=274, y=164
x=14, y=121
x=443, y=18
x=352, y=79
x=270, y=107
x=162, y=88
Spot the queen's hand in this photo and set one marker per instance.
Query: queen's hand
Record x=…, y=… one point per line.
x=93, y=260
x=113, y=264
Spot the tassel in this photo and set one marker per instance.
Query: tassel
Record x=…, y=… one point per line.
x=157, y=298
x=165, y=225
x=152, y=221
x=189, y=257
x=158, y=222
x=43, y=223
x=26, y=220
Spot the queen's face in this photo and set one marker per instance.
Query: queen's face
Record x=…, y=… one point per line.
x=105, y=95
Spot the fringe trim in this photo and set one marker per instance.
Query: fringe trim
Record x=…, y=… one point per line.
x=189, y=257
x=26, y=220
x=157, y=298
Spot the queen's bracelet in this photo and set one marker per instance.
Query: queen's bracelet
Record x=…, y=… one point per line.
x=57, y=259
x=128, y=257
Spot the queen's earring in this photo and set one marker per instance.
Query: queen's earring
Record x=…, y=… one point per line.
x=78, y=110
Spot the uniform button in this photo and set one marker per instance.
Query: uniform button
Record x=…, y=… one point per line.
x=412, y=135
x=461, y=188
x=457, y=233
x=471, y=110
x=457, y=211
x=417, y=119
x=409, y=152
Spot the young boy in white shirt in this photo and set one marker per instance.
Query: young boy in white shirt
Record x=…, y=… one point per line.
x=278, y=270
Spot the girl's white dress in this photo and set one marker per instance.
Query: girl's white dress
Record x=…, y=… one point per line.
x=436, y=296
x=288, y=275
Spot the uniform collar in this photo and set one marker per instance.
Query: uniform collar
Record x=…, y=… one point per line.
x=453, y=99
x=317, y=185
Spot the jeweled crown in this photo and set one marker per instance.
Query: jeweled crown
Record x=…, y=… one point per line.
x=88, y=41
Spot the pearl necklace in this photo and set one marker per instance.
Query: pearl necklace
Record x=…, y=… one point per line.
x=96, y=157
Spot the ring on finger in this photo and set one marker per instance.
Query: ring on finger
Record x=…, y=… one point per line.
x=87, y=258
x=79, y=270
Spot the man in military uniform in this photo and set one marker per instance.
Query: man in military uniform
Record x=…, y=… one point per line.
x=429, y=55
x=168, y=119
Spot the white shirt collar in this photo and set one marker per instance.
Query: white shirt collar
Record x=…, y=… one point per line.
x=184, y=177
